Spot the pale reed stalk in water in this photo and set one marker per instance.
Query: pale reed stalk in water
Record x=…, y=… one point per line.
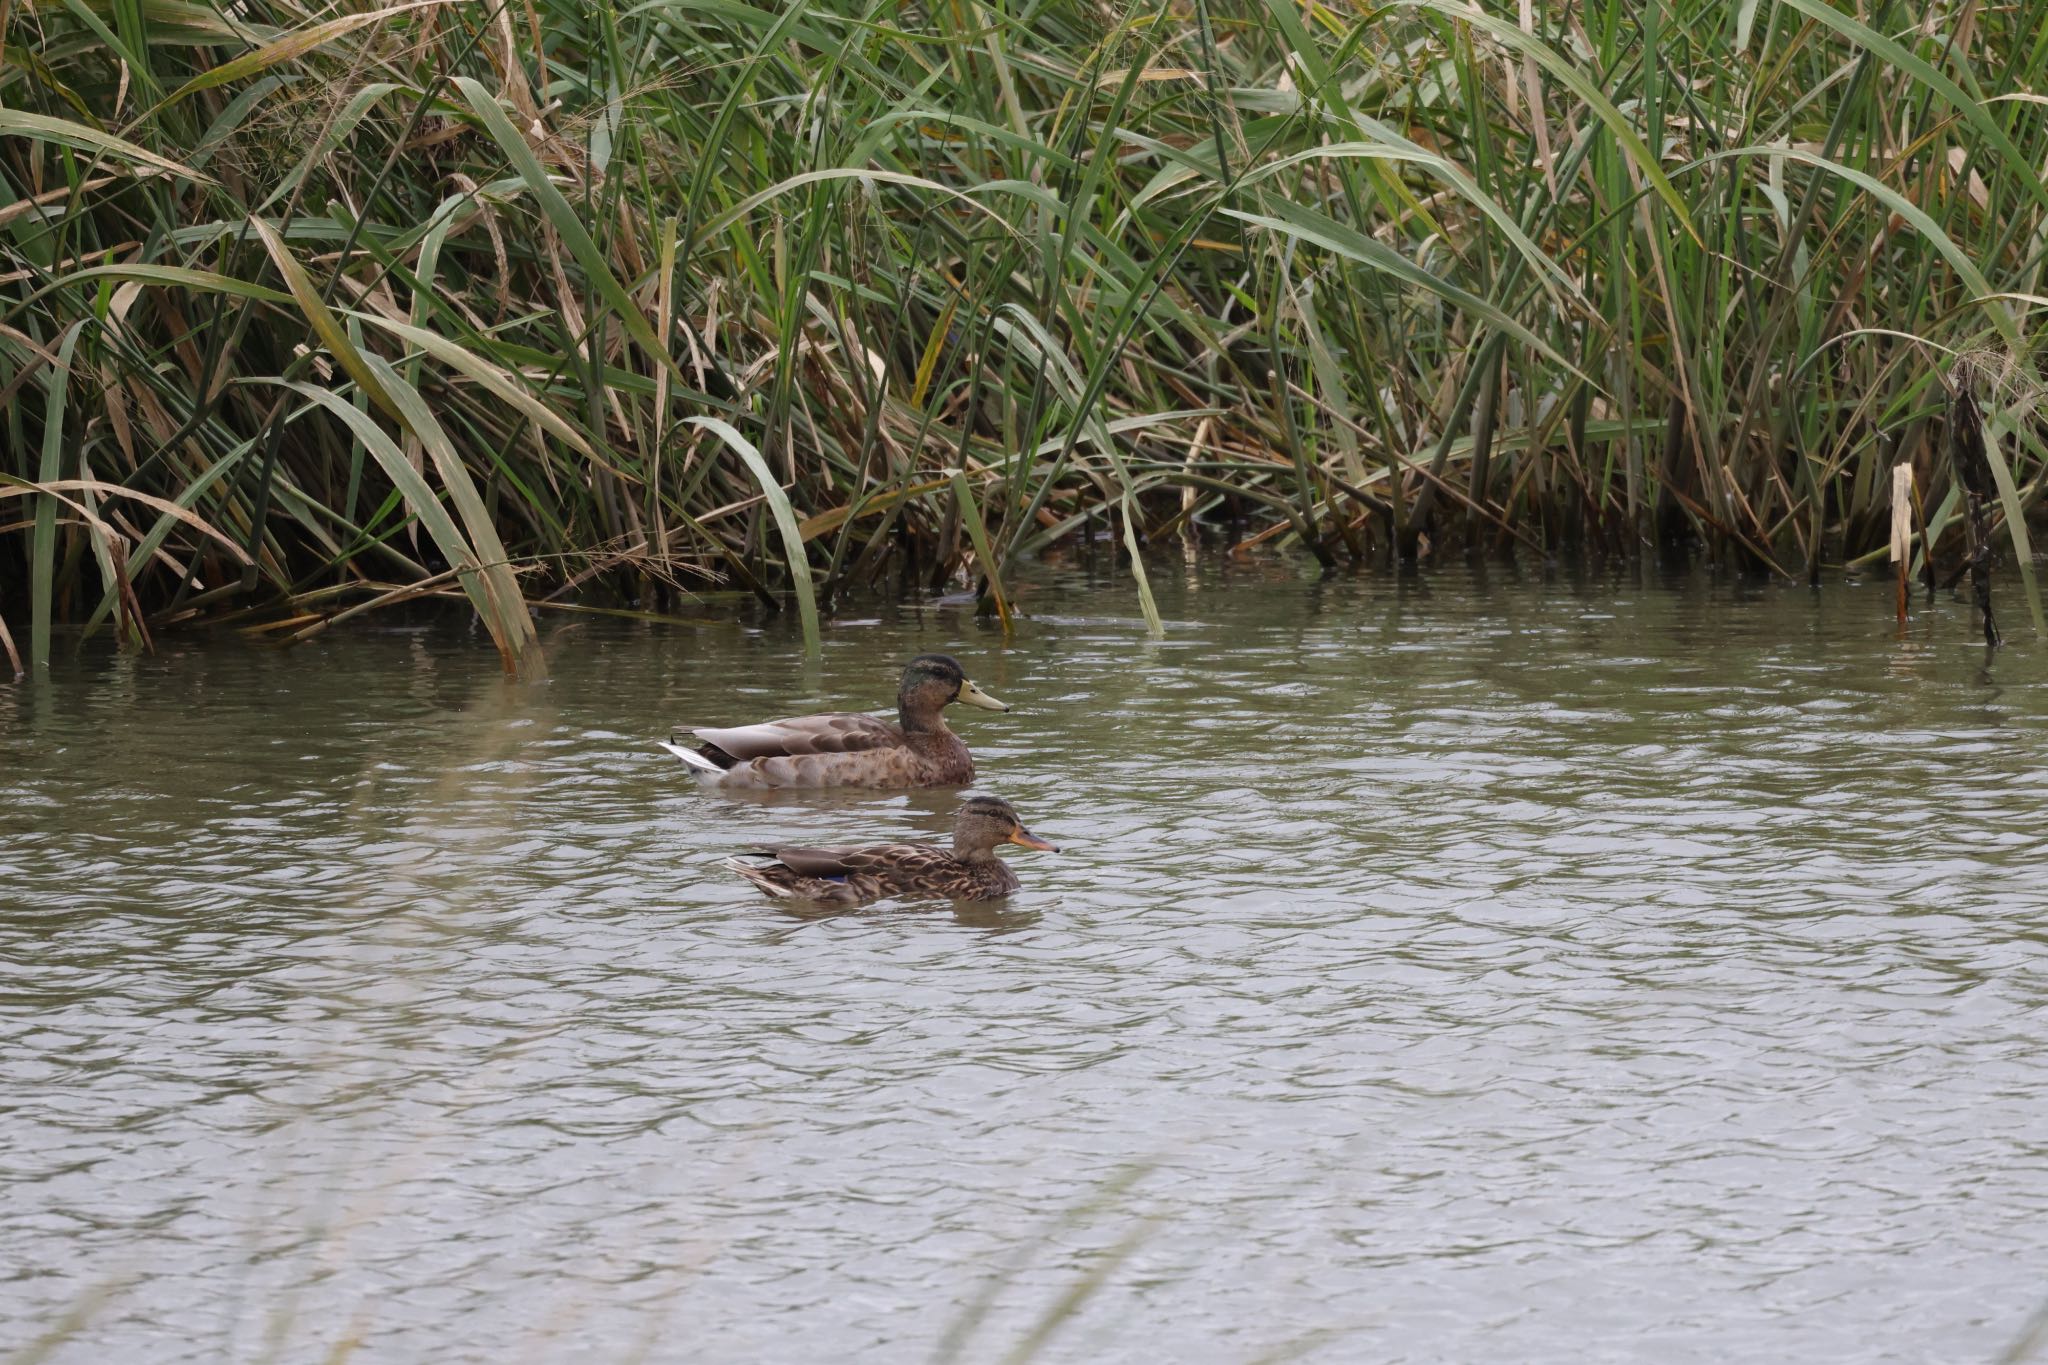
x=1902, y=528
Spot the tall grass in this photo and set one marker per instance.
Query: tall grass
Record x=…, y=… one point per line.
x=307, y=310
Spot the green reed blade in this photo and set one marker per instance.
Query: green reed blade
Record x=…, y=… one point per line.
x=43, y=547
x=785, y=521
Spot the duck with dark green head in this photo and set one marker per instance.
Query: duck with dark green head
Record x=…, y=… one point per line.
x=969, y=871
x=846, y=749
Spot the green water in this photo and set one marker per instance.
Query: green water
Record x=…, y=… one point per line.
x=1477, y=968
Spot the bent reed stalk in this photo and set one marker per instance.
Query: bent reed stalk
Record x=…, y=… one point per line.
x=305, y=305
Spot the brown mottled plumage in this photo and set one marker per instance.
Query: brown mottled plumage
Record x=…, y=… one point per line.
x=971, y=871
x=849, y=750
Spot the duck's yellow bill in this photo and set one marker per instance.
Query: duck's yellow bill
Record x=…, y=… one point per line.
x=1024, y=838
x=974, y=696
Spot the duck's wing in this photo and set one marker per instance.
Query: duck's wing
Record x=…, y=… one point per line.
x=847, y=862
x=836, y=733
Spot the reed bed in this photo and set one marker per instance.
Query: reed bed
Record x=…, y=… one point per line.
x=305, y=311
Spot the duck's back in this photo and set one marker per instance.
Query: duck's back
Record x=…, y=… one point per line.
x=836, y=732
x=850, y=876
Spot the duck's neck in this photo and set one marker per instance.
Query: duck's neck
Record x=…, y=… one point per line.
x=921, y=720
x=972, y=855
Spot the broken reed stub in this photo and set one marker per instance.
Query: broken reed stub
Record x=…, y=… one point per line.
x=1902, y=512
x=1902, y=528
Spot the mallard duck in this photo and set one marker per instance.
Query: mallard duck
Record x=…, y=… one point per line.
x=971, y=871
x=850, y=750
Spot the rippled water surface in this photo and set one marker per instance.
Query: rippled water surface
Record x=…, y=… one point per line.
x=1453, y=970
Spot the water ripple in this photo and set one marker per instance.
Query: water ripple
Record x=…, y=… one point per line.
x=1524, y=971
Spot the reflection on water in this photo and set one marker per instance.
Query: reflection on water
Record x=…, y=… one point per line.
x=1435, y=970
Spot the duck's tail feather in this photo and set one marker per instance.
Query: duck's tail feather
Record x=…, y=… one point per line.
x=701, y=765
x=761, y=877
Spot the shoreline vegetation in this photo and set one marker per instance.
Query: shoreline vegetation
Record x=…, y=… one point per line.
x=308, y=311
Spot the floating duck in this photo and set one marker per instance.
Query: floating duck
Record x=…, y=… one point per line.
x=969, y=871
x=844, y=749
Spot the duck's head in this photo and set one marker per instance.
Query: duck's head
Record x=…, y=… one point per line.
x=932, y=682
x=986, y=822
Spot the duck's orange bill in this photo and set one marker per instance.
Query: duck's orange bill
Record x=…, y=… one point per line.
x=1024, y=838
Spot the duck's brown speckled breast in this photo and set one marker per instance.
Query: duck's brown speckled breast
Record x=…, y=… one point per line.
x=983, y=880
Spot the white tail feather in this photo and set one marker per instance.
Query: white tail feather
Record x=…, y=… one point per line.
x=703, y=766
x=753, y=874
